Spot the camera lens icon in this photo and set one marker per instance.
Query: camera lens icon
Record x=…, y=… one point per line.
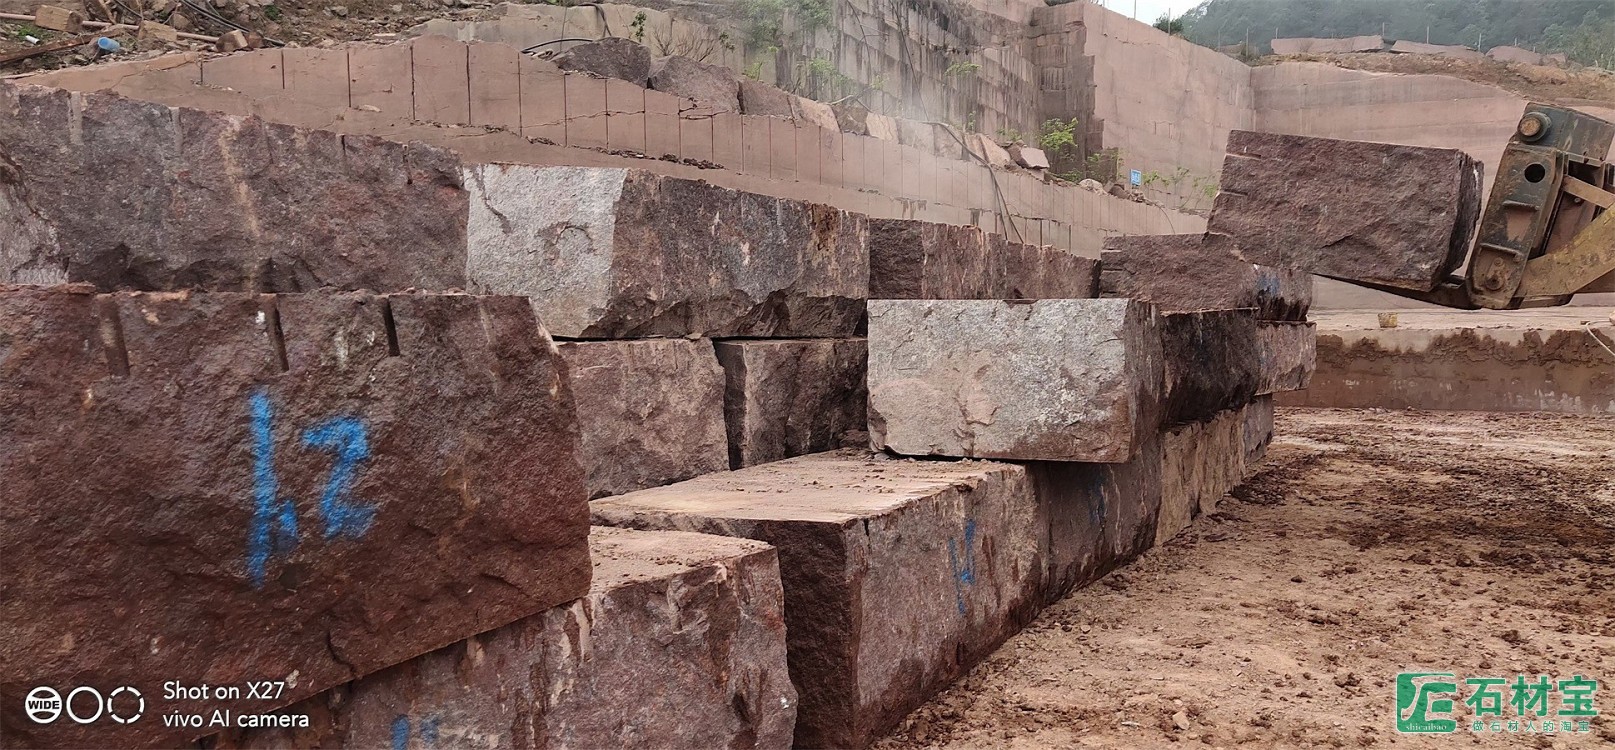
x=43, y=704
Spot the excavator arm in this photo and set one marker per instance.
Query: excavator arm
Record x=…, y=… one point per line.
x=1547, y=231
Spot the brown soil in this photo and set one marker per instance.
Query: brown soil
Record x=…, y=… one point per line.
x=1371, y=543
x=1546, y=84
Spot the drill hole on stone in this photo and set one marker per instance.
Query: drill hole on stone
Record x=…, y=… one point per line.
x=1535, y=173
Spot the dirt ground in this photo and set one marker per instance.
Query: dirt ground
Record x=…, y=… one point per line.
x=1371, y=543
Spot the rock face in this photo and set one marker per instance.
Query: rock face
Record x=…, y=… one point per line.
x=758, y=98
x=922, y=260
x=1211, y=362
x=244, y=205
x=1052, y=380
x=1099, y=516
x=710, y=85
x=1200, y=462
x=319, y=485
x=1399, y=216
x=611, y=57
x=1282, y=293
x=650, y=412
x=1289, y=354
x=898, y=575
x=623, y=666
x=792, y=397
x=1177, y=272
x=1257, y=431
x=616, y=253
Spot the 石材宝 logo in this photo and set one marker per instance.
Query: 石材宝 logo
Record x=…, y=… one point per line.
x=1427, y=703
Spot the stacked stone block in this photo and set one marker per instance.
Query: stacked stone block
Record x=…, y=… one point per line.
x=232, y=487
x=619, y=667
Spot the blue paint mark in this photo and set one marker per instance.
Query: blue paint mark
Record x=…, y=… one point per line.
x=1268, y=284
x=400, y=733
x=966, y=575
x=428, y=731
x=274, y=520
x=345, y=436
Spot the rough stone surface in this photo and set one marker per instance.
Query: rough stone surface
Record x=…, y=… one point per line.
x=923, y=260
x=680, y=643
x=650, y=412
x=881, y=127
x=611, y=57
x=1317, y=46
x=1200, y=463
x=1211, y=362
x=1031, y=158
x=1257, y=431
x=90, y=194
x=814, y=113
x=1371, y=212
x=758, y=98
x=898, y=575
x=851, y=119
x=792, y=397
x=1099, y=516
x=1177, y=272
x=617, y=253
x=1289, y=353
x=710, y=85
x=989, y=150
x=319, y=485
x=1459, y=51
x=1058, y=380
x=1282, y=293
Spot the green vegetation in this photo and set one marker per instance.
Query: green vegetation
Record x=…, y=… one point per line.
x=638, y=25
x=1583, y=29
x=961, y=69
x=1170, y=25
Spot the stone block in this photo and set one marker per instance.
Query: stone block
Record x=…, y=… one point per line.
x=881, y=127
x=1378, y=213
x=712, y=86
x=246, y=205
x=650, y=412
x=1031, y=158
x=1099, y=516
x=1210, y=362
x=618, y=253
x=1289, y=354
x=611, y=57
x=1177, y=272
x=814, y=113
x=1282, y=293
x=58, y=19
x=1200, y=462
x=1055, y=380
x=851, y=119
x=1458, y=51
x=989, y=150
x=1257, y=431
x=680, y=643
x=792, y=397
x=304, y=487
x=922, y=260
x=898, y=575
x=760, y=99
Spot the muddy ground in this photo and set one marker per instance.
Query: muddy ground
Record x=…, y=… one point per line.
x=1370, y=543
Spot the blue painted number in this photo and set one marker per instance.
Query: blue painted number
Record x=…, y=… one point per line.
x=963, y=575
x=274, y=518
